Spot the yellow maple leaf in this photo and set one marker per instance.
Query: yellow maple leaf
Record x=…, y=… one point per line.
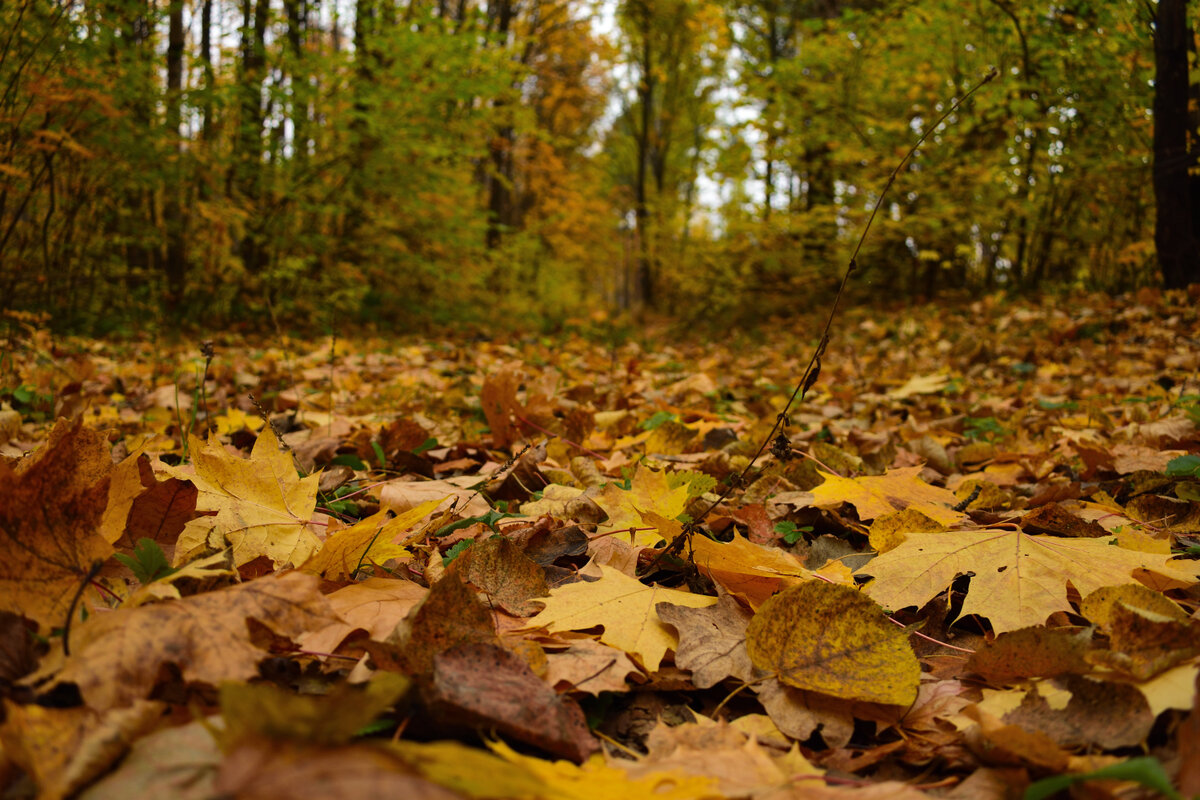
x=344, y=551
x=876, y=495
x=747, y=570
x=1018, y=579
x=596, y=780
x=263, y=507
x=235, y=420
x=649, y=491
x=626, y=609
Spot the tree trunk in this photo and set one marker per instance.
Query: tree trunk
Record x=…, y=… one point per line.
x=174, y=265
x=1174, y=235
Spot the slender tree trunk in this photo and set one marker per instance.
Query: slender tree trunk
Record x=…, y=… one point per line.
x=646, y=85
x=501, y=205
x=1174, y=235
x=173, y=216
x=255, y=14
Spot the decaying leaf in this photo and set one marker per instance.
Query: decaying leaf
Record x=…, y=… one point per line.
x=833, y=639
x=712, y=640
x=50, y=516
x=482, y=685
x=116, y=656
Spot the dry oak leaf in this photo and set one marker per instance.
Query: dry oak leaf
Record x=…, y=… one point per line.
x=626, y=609
x=1018, y=579
x=50, y=515
x=648, y=491
x=876, y=495
x=116, y=656
x=263, y=507
x=835, y=640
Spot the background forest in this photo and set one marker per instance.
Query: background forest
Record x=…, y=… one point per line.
x=416, y=162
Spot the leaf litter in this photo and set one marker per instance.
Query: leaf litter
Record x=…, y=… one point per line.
x=444, y=568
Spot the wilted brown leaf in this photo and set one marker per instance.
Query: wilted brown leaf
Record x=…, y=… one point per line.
x=50, y=515
x=116, y=656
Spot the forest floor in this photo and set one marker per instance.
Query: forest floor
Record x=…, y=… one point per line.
x=587, y=565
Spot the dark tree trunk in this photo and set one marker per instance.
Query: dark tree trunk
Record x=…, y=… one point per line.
x=501, y=205
x=248, y=182
x=1174, y=234
x=173, y=216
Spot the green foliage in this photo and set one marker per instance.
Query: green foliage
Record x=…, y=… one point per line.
x=148, y=562
x=790, y=532
x=456, y=550
x=1146, y=771
x=1184, y=467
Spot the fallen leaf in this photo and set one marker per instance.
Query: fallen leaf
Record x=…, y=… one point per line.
x=595, y=780
x=1018, y=579
x=800, y=714
x=375, y=605
x=482, y=685
x=265, y=768
x=507, y=577
x=116, y=656
x=648, y=491
x=833, y=639
x=875, y=495
x=736, y=762
x=746, y=570
x=346, y=551
x=64, y=749
x=589, y=666
x=179, y=763
x=50, y=515
x=712, y=640
x=400, y=496
x=450, y=615
x=272, y=712
x=626, y=609
x=1036, y=652
x=262, y=507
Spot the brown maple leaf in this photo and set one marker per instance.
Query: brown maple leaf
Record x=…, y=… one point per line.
x=116, y=656
x=50, y=515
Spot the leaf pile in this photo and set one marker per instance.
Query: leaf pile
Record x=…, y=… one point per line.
x=441, y=568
